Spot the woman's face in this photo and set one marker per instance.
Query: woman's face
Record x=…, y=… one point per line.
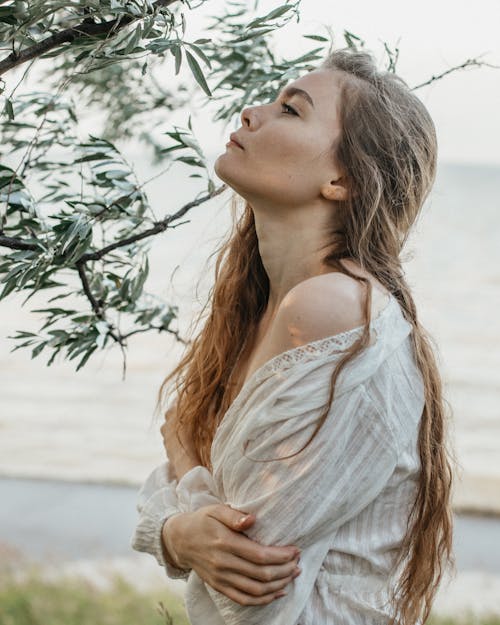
x=287, y=154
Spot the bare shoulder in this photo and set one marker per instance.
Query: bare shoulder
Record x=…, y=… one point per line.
x=318, y=307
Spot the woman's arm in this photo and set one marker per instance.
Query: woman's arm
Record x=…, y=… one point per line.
x=212, y=541
x=304, y=500
x=157, y=501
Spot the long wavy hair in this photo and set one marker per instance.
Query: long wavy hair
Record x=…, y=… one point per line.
x=388, y=149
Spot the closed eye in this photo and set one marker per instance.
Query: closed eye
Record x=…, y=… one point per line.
x=289, y=108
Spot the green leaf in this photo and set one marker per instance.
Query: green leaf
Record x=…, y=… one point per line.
x=316, y=37
x=86, y=357
x=116, y=173
x=178, y=59
x=9, y=109
x=51, y=360
x=97, y=156
x=254, y=34
x=190, y=160
x=134, y=40
x=197, y=73
x=278, y=12
x=13, y=272
x=351, y=39
x=200, y=53
x=37, y=350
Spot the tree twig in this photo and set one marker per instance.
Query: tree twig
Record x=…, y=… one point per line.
x=17, y=244
x=467, y=63
x=160, y=329
x=96, y=307
x=156, y=229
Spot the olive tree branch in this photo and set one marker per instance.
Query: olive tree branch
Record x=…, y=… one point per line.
x=98, y=305
x=17, y=244
x=467, y=63
x=85, y=28
x=160, y=226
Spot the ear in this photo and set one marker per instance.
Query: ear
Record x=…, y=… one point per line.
x=335, y=190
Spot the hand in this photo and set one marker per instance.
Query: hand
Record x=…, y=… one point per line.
x=178, y=447
x=211, y=542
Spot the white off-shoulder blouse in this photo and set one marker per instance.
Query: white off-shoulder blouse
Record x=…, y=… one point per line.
x=344, y=500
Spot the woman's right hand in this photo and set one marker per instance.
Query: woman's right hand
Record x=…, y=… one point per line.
x=211, y=542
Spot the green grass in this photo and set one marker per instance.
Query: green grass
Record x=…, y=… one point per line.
x=75, y=602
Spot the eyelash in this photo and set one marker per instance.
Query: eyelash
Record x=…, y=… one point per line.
x=294, y=112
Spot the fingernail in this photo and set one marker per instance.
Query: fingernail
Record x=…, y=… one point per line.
x=297, y=570
x=280, y=594
x=243, y=519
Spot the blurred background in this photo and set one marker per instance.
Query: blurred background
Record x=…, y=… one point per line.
x=75, y=447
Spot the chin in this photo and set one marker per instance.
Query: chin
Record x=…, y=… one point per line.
x=219, y=169
x=225, y=173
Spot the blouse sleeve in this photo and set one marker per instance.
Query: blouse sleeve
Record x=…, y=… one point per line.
x=303, y=500
x=162, y=497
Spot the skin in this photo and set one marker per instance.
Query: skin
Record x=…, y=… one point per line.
x=211, y=540
x=287, y=172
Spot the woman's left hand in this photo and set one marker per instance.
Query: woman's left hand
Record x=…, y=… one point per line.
x=182, y=457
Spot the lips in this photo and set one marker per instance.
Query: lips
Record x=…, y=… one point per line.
x=235, y=139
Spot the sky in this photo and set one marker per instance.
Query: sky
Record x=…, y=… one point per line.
x=433, y=35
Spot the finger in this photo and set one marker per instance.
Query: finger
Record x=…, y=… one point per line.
x=240, y=545
x=245, y=599
x=262, y=573
x=253, y=587
x=234, y=519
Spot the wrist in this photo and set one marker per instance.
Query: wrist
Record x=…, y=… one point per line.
x=170, y=543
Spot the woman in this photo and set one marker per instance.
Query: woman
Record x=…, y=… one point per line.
x=311, y=400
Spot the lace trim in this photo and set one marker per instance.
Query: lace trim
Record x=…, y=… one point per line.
x=326, y=345
x=283, y=361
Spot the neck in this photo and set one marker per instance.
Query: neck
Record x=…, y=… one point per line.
x=291, y=246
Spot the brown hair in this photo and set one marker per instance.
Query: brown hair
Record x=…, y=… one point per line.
x=388, y=149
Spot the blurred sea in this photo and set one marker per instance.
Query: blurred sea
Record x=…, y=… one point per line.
x=92, y=426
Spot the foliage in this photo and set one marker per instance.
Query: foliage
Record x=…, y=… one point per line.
x=90, y=217
x=76, y=602
x=74, y=218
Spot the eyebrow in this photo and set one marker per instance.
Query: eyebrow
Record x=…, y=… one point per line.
x=291, y=91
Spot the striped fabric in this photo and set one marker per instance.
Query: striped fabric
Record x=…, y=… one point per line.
x=344, y=500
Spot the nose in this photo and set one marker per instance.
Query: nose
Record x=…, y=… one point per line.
x=246, y=115
x=253, y=116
